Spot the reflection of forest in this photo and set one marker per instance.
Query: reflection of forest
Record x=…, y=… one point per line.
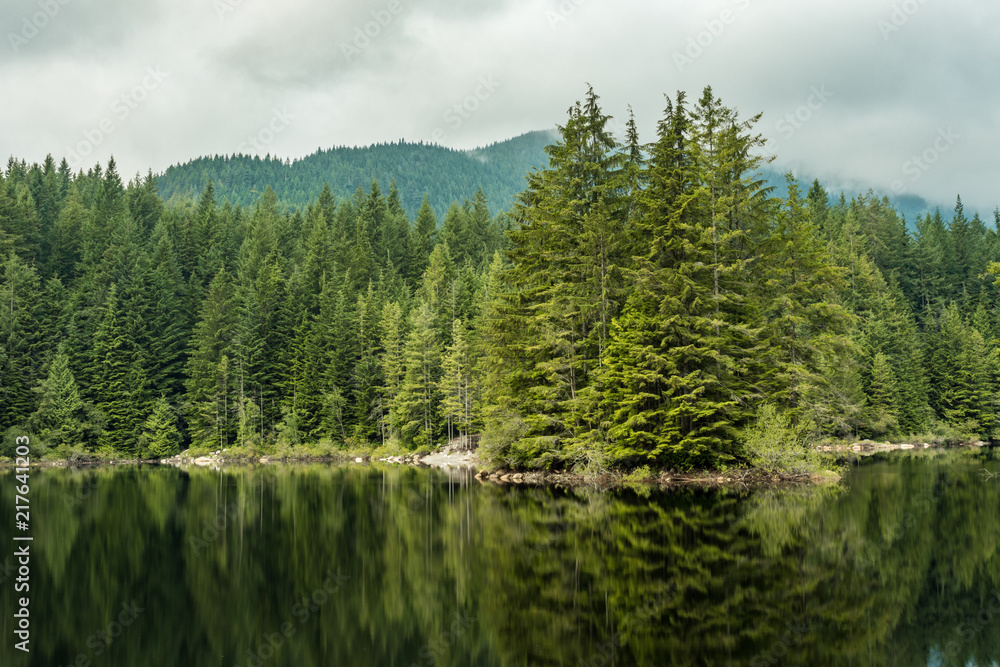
x=899, y=566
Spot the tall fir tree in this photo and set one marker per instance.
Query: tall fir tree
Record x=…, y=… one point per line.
x=20, y=339
x=416, y=404
x=667, y=367
x=160, y=435
x=455, y=385
x=121, y=389
x=62, y=417
x=806, y=331
x=210, y=397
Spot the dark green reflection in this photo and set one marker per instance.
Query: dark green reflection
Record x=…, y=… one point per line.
x=400, y=567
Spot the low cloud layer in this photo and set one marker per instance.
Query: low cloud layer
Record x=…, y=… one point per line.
x=894, y=94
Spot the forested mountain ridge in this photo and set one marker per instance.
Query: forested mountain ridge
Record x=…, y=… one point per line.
x=639, y=303
x=443, y=174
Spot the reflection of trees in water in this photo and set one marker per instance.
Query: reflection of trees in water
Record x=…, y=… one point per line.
x=900, y=566
x=908, y=541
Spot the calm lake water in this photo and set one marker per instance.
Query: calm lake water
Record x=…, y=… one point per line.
x=316, y=565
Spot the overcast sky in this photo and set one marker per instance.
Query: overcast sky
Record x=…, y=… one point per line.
x=900, y=95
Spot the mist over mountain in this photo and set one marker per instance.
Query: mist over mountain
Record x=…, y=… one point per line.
x=911, y=206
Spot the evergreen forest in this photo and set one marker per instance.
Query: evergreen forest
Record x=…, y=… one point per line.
x=642, y=302
x=441, y=174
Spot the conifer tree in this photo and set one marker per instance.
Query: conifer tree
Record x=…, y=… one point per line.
x=962, y=370
x=416, y=405
x=806, y=329
x=26, y=224
x=369, y=415
x=144, y=203
x=437, y=286
x=164, y=313
x=52, y=318
x=422, y=240
x=209, y=238
x=263, y=342
x=20, y=339
x=455, y=386
x=482, y=241
x=121, y=388
x=978, y=372
x=392, y=340
x=397, y=229
x=65, y=237
x=667, y=365
x=318, y=256
x=160, y=435
x=62, y=417
x=303, y=391
x=883, y=396
x=456, y=234
x=44, y=186
x=962, y=245
x=109, y=204
x=818, y=203
x=650, y=299
x=887, y=326
x=373, y=225
x=338, y=323
x=566, y=278
x=210, y=383
x=930, y=259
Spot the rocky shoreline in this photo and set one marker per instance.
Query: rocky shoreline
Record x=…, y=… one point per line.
x=459, y=457
x=868, y=447
x=665, y=480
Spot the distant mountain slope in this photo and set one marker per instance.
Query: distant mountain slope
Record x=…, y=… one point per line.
x=445, y=174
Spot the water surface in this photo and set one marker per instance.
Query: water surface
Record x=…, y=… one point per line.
x=320, y=565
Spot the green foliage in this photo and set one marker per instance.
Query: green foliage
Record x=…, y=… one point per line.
x=211, y=383
x=416, y=407
x=121, y=390
x=503, y=434
x=455, y=385
x=62, y=417
x=805, y=326
x=160, y=436
x=21, y=349
x=638, y=475
x=289, y=433
x=883, y=397
x=773, y=443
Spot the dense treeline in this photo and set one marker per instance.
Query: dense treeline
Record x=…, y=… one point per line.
x=127, y=325
x=441, y=174
x=640, y=302
x=660, y=297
